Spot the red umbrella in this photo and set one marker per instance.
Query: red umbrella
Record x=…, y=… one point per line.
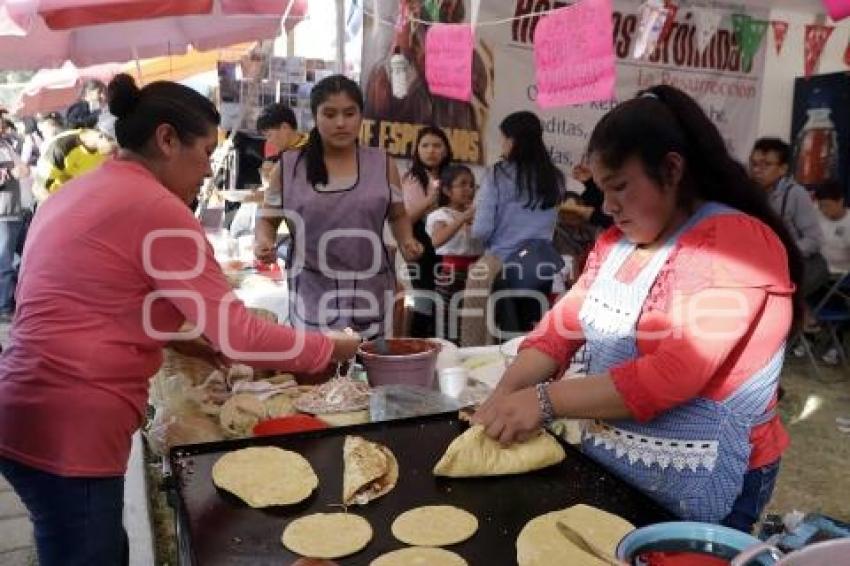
x=45, y=33
x=69, y=14
x=56, y=89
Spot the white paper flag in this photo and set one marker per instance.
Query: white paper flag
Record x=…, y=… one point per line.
x=707, y=23
x=652, y=18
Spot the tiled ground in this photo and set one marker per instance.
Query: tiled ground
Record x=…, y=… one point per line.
x=17, y=547
x=16, y=544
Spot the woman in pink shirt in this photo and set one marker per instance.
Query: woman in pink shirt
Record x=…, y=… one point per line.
x=115, y=263
x=432, y=153
x=683, y=310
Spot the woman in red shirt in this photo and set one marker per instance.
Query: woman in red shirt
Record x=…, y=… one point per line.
x=115, y=263
x=683, y=310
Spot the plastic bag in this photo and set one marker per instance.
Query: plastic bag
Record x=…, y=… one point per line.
x=178, y=414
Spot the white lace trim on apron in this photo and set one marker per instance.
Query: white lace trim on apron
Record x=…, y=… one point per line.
x=666, y=452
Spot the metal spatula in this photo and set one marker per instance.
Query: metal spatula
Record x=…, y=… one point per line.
x=590, y=547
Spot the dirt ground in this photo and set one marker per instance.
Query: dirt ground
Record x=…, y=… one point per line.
x=815, y=472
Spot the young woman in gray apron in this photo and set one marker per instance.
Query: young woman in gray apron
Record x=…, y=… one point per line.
x=666, y=173
x=336, y=197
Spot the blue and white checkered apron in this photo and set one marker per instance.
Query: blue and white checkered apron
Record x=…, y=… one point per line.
x=692, y=458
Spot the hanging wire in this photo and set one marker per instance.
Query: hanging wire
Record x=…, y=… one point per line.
x=374, y=16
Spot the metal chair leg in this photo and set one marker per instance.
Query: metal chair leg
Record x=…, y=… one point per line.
x=809, y=354
x=836, y=342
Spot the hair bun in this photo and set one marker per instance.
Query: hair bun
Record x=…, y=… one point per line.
x=123, y=95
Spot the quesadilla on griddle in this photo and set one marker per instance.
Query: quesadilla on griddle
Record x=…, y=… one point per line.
x=370, y=471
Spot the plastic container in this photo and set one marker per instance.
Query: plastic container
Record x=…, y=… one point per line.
x=685, y=543
x=453, y=381
x=411, y=361
x=819, y=554
x=288, y=425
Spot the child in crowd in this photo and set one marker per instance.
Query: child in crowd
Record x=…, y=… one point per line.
x=574, y=234
x=834, y=222
x=450, y=230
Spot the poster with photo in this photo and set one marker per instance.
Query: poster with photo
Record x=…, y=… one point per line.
x=820, y=131
x=392, y=122
x=503, y=77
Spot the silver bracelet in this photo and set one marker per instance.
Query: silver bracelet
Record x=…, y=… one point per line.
x=547, y=411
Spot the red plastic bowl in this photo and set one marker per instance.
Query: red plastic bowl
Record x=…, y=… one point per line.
x=288, y=425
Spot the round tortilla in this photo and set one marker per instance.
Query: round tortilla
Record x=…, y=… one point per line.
x=434, y=525
x=327, y=535
x=540, y=543
x=419, y=556
x=265, y=476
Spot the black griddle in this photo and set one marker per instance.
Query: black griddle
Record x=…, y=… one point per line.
x=216, y=528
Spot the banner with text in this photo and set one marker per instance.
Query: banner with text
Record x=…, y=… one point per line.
x=503, y=79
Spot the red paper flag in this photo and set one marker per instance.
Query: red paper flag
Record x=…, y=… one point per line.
x=779, y=31
x=671, y=19
x=816, y=38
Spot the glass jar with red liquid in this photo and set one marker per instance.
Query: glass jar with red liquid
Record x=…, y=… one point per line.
x=817, y=149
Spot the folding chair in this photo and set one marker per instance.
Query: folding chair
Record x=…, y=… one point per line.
x=833, y=311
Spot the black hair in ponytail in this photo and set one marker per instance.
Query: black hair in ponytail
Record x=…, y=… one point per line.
x=663, y=119
x=313, y=152
x=140, y=111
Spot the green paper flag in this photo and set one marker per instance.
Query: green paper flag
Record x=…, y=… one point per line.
x=432, y=8
x=754, y=32
x=749, y=33
x=738, y=23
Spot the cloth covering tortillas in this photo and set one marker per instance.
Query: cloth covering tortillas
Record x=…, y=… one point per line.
x=240, y=414
x=327, y=535
x=265, y=476
x=419, y=556
x=371, y=470
x=541, y=544
x=473, y=454
x=280, y=405
x=434, y=525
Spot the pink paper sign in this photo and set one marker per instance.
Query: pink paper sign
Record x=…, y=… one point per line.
x=574, y=54
x=448, y=60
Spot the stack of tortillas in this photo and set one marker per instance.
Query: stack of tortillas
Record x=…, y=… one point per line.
x=541, y=543
x=370, y=470
x=265, y=476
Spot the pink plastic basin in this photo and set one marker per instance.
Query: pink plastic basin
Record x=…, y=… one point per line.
x=411, y=361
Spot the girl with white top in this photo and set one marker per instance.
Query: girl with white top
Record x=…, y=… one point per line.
x=450, y=229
